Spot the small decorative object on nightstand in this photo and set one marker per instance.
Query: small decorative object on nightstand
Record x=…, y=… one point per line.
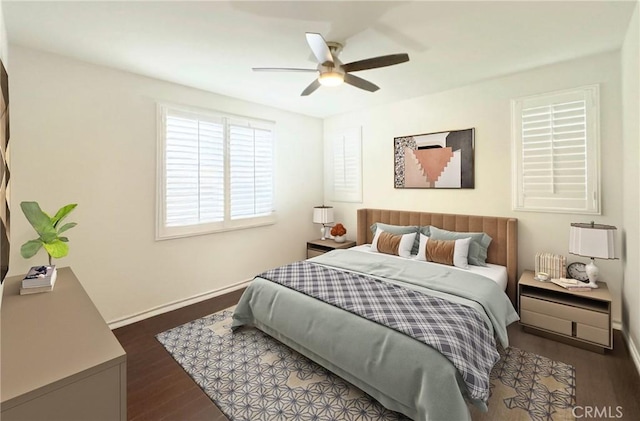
x=578, y=271
x=338, y=232
x=542, y=277
x=318, y=247
x=576, y=317
x=554, y=265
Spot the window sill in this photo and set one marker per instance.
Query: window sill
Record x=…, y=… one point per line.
x=197, y=230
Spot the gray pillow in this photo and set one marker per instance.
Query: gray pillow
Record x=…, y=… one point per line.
x=477, y=249
x=398, y=229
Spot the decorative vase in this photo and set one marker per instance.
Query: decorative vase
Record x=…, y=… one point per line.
x=339, y=238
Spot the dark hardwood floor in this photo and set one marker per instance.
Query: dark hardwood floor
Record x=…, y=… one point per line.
x=159, y=389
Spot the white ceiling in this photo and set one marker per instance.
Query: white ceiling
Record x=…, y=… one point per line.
x=214, y=45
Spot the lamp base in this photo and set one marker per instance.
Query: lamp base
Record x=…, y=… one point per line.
x=323, y=232
x=592, y=273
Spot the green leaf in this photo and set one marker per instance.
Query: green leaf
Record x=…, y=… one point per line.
x=48, y=237
x=30, y=248
x=66, y=227
x=57, y=249
x=62, y=213
x=39, y=220
x=65, y=239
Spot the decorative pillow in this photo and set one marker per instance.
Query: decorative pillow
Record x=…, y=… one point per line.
x=398, y=229
x=440, y=251
x=388, y=243
x=398, y=244
x=477, y=249
x=447, y=252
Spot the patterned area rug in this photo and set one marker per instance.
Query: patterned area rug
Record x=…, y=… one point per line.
x=252, y=377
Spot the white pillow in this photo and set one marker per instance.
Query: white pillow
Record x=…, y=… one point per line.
x=460, y=251
x=405, y=246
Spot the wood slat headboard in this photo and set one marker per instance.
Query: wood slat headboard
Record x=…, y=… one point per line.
x=503, y=249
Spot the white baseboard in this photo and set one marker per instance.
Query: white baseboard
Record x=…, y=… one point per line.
x=114, y=324
x=633, y=349
x=616, y=325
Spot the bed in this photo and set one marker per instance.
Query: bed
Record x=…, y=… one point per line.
x=402, y=373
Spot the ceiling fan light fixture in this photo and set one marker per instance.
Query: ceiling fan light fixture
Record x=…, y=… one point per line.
x=331, y=70
x=331, y=78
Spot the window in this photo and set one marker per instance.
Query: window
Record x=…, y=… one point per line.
x=215, y=172
x=345, y=165
x=556, y=152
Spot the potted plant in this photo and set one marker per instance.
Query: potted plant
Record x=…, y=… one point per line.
x=48, y=229
x=338, y=231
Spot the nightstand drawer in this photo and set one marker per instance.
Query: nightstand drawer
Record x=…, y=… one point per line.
x=562, y=311
x=543, y=321
x=592, y=334
x=314, y=252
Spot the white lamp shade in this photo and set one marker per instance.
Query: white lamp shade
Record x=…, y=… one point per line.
x=322, y=215
x=590, y=240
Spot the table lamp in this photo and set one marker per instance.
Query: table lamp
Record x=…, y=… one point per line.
x=595, y=241
x=323, y=215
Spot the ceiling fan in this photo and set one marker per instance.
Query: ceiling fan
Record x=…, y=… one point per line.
x=331, y=71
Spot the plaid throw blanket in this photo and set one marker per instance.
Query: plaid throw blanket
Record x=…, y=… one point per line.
x=458, y=332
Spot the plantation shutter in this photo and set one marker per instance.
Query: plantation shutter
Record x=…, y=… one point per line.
x=215, y=172
x=346, y=165
x=251, y=171
x=194, y=169
x=556, y=152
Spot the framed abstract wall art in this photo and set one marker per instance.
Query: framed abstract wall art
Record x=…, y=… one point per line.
x=443, y=160
x=4, y=172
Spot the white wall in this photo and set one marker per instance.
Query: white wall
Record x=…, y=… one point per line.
x=4, y=43
x=631, y=186
x=486, y=107
x=87, y=134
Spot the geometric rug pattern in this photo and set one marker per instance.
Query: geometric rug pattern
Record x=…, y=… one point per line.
x=527, y=386
x=253, y=377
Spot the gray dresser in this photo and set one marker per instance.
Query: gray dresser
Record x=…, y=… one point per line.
x=59, y=359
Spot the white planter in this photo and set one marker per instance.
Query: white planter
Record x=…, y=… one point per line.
x=339, y=238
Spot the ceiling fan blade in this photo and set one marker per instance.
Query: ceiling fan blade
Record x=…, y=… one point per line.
x=312, y=87
x=281, y=69
x=320, y=48
x=360, y=83
x=375, y=62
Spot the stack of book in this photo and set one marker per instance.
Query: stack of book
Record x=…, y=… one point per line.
x=553, y=264
x=571, y=284
x=39, y=279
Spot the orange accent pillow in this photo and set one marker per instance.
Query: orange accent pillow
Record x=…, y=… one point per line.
x=389, y=243
x=440, y=251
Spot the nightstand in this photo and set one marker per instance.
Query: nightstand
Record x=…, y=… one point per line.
x=579, y=318
x=318, y=247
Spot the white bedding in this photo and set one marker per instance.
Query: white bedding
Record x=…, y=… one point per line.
x=496, y=273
